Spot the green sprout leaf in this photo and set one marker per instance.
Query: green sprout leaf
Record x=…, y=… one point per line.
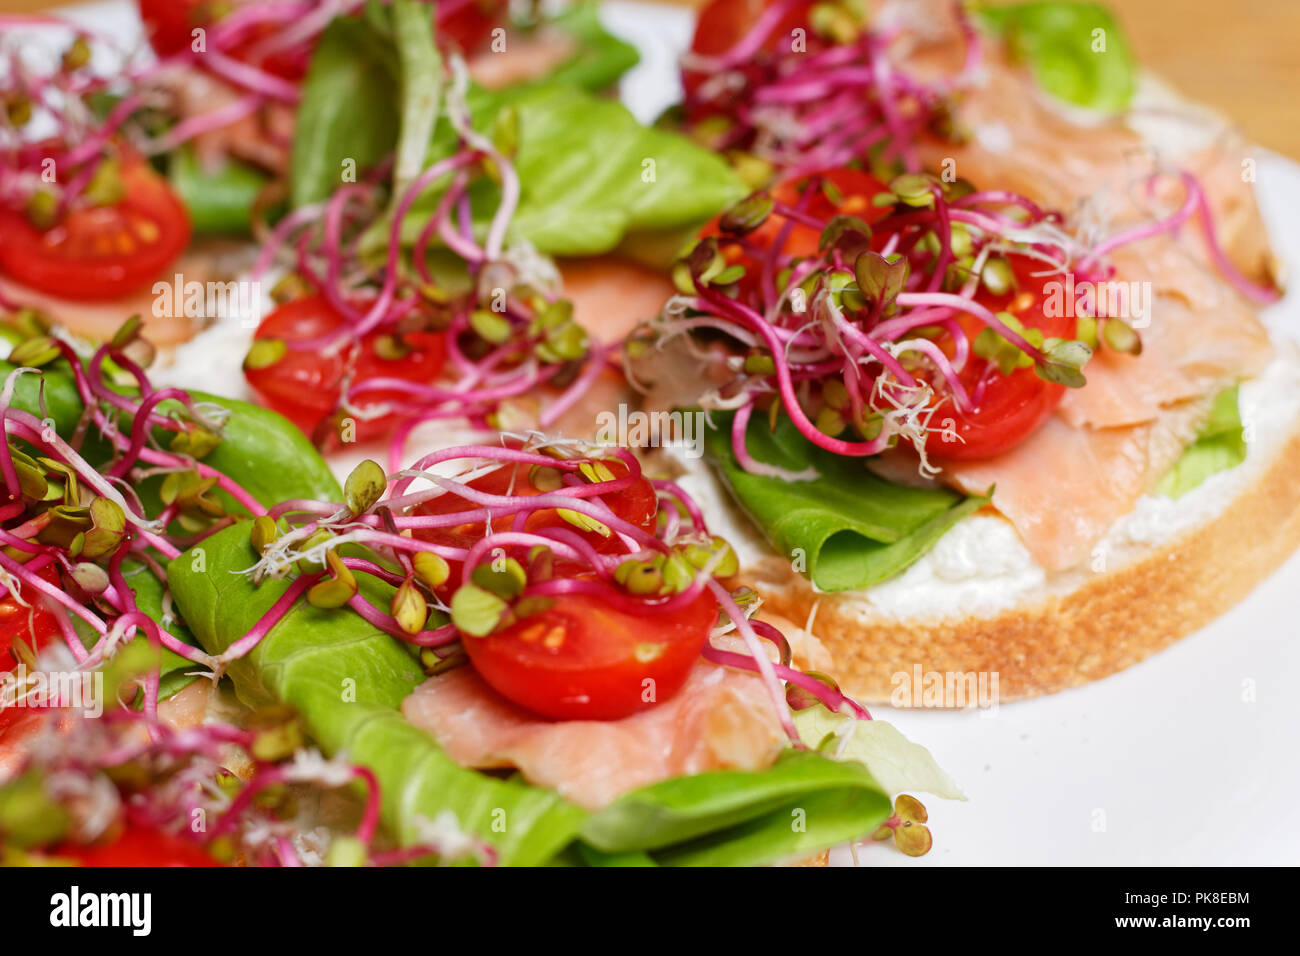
x=476, y=611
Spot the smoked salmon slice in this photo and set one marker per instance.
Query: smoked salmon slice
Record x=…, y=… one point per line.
x=98, y=321
x=1014, y=136
x=1113, y=439
x=1016, y=140
x=1200, y=337
x=527, y=57
x=1063, y=487
x=721, y=718
x=611, y=296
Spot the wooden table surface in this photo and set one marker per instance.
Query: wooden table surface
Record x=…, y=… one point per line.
x=1243, y=57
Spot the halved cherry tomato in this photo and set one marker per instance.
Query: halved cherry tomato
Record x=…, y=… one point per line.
x=468, y=24
x=724, y=23
x=138, y=846
x=637, y=505
x=824, y=195
x=170, y=25
x=583, y=660
x=99, y=252
x=33, y=624
x=1011, y=407
x=305, y=385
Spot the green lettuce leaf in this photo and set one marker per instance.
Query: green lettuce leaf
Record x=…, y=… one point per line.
x=590, y=175
x=894, y=761
x=267, y=454
x=1062, y=43
x=349, y=107
x=54, y=394
x=853, y=529
x=370, y=75
x=600, y=58
x=173, y=670
x=801, y=805
x=219, y=201
x=1220, y=444
x=420, y=91
x=261, y=450
x=347, y=679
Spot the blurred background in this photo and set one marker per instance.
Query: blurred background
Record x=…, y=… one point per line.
x=1242, y=57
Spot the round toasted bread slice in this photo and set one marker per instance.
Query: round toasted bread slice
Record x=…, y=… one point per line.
x=1057, y=639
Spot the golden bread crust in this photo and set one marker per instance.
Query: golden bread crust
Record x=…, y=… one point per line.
x=821, y=859
x=1110, y=622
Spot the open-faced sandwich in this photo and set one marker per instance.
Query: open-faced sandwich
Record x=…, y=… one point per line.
x=528, y=606
x=524, y=650
x=963, y=361
x=984, y=370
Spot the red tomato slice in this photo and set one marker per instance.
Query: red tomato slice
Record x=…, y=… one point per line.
x=99, y=252
x=169, y=25
x=35, y=625
x=834, y=192
x=637, y=505
x=583, y=660
x=724, y=23
x=306, y=384
x=138, y=846
x=852, y=191
x=1012, y=406
x=288, y=63
x=468, y=24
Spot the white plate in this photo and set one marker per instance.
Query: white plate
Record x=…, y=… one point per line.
x=1188, y=758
